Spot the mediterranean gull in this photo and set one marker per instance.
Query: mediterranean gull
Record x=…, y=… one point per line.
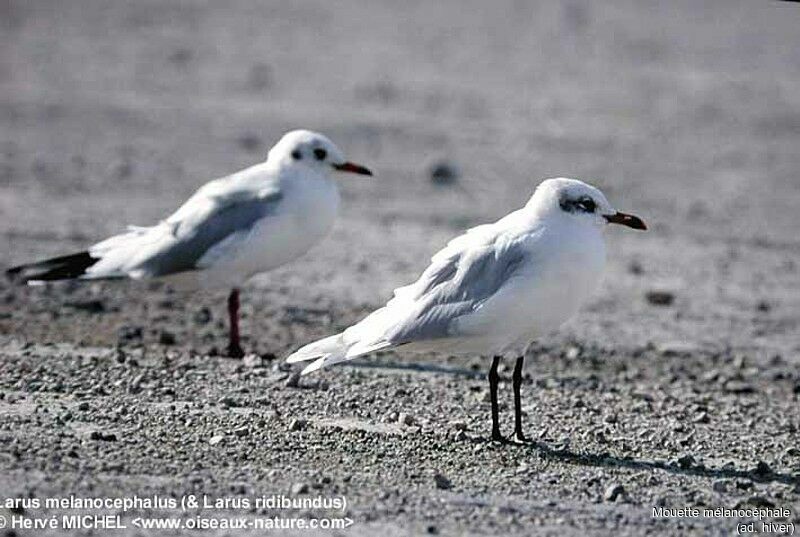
x=231, y=229
x=494, y=289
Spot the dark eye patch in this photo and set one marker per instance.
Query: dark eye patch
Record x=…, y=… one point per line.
x=587, y=205
x=296, y=154
x=320, y=154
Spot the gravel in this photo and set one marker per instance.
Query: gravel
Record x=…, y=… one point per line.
x=672, y=399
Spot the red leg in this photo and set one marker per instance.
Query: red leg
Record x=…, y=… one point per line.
x=234, y=349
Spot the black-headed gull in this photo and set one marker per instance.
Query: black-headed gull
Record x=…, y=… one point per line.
x=494, y=289
x=231, y=229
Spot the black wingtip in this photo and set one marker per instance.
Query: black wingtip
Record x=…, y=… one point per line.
x=58, y=268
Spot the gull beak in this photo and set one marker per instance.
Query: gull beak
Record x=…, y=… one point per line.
x=352, y=168
x=626, y=220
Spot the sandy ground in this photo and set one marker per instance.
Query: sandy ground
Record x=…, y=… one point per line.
x=686, y=113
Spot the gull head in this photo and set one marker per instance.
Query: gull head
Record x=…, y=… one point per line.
x=577, y=201
x=314, y=151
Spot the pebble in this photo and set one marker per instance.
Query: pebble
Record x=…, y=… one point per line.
x=252, y=361
x=249, y=142
x=216, y=439
x=102, y=435
x=720, y=486
x=738, y=387
x=660, y=298
x=166, y=338
x=299, y=488
x=760, y=501
x=441, y=481
x=128, y=333
x=203, y=316
x=228, y=401
x=444, y=173
x=293, y=380
x=635, y=267
x=762, y=469
x=613, y=491
x=458, y=425
x=405, y=419
x=298, y=425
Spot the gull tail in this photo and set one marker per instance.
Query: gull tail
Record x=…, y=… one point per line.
x=65, y=267
x=332, y=350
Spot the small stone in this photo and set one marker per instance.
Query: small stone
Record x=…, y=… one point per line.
x=686, y=461
x=458, y=425
x=228, y=401
x=249, y=142
x=405, y=419
x=444, y=173
x=613, y=491
x=252, y=361
x=299, y=488
x=738, y=387
x=760, y=501
x=677, y=348
x=83, y=406
x=720, y=486
x=762, y=469
x=293, y=380
x=216, y=439
x=702, y=417
x=241, y=431
x=128, y=333
x=202, y=316
x=103, y=436
x=441, y=481
x=298, y=425
x=89, y=306
x=166, y=338
x=763, y=306
x=635, y=267
x=660, y=298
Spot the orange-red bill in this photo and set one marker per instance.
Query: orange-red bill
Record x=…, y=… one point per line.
x=626, y=220
x=352, y=168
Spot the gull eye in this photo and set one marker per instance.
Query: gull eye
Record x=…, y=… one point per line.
x=587, y=205
x=296, y=154
x=320, y=154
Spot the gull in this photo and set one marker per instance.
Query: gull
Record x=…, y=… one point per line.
x=494, y=289
x=231, y=229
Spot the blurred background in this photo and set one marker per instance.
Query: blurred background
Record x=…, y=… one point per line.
x=677, y=385
x=688, y=114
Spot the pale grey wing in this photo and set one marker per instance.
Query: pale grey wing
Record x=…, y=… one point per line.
x=454, y=287
x=192, y=242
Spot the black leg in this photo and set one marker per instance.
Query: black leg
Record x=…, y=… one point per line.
x=493, y=378
x=517, y=380
x=234, y=348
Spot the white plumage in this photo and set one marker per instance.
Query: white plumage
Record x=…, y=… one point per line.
x=493, y=289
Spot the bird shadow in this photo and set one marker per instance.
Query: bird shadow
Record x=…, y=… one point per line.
x=419, y=367
x=761, y=474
